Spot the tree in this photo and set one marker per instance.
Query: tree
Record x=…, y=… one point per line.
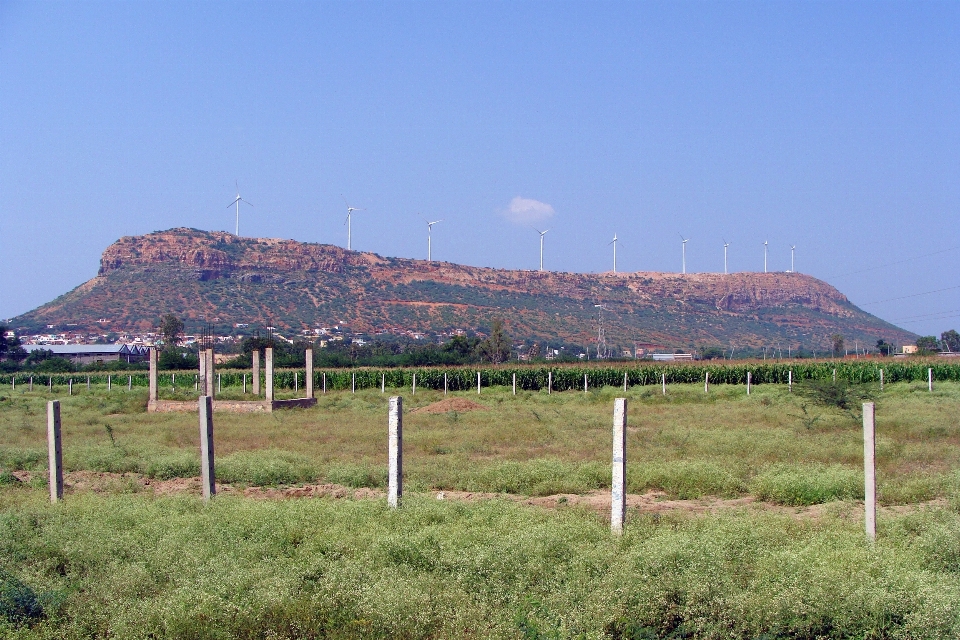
x=884, y=347
x=950, y=340
x=171, y=328
x=837, y=341
x=10, y=347
x=496, y=348
x=711, y=353
x=928, y=345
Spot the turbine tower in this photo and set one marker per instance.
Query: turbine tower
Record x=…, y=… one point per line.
x=684, y=253
x=429, y=241
x=725, y=245
x=237, y=201
x=601, y=338
x=542, y=233
x=764, y=256
x=792, y=249
x=350, y=211
x=614, y=243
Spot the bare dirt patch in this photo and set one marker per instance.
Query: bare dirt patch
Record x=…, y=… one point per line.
x=460, y=405
x=650, y=503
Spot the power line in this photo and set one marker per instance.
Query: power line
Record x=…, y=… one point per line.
x=912, y=295
x=890, y=264
x=931, y=319
x=926, y=315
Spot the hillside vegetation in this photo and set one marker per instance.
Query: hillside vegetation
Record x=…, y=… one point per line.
x=221, y=278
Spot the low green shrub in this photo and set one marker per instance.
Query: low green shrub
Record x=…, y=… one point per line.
x=544, y=476
x=357, y=476
x=800, y=485
x=684, y=479
x=18, y=602
x=269, y=467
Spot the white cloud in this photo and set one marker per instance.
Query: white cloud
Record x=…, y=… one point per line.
x=527, y=211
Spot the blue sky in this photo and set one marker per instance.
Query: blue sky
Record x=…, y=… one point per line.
x=834, y=126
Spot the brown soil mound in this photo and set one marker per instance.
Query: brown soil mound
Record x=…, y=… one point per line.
x=451, y=404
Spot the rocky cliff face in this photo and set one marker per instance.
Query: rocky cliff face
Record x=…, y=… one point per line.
x=295, y=285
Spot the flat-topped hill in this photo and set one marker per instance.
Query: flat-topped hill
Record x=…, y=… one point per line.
x=224, y=279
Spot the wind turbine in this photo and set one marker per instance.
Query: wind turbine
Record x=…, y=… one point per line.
x=350, y=211
x=237, y=201
x=542, y=233
x=601, y=337
x=764, y=256
x=614, y=243
x=792, y=249
x=725, y=245
x=684, y=252
x=429, y=241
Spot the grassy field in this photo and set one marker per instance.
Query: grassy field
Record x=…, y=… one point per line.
x=126, y=563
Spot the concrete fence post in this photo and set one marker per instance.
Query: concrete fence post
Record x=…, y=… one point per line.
x=206, y=448
x=88, y=383
x=834, y=375
x=54, y=450
x=50, y=383
x=129, y=383
x=549, y=382
x=706, y=382
x=624, y=382
x=663, y=382
x=31, y=383
x=70, y=387
x=244, y=384
x=584, y=383
x=13, y=382
x=790, y=380
x=153, y=374
x=308, y=381
x=514, y=384
x=296, y=381
x=109, y=382
x=881, y=379
x=413, y=391
x=930, y=379
x=210, y=371
x=353, y=383
x=618, y=486
x=749, y=380
x=395, y=452
x=202, y=361
x=256, y=372
x=324, y=382
x=196, y=383
x=173, y=382
x=869, y=471
x=268, y=377
x=219, y=384
x=478, y=383
x=444, y=383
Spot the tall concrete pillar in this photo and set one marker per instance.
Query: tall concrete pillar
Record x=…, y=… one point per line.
x=618, y=490
x=256, y=372
x=206, y=448
x=268, y=354
x=395, y=452
x=308, y=383
x=153, y=374
x=211, y=389
x=202, y=359
x=54, y=450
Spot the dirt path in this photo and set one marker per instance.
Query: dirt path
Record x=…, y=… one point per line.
x=653, y=502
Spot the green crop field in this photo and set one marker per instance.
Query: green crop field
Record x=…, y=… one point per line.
x=749, y=527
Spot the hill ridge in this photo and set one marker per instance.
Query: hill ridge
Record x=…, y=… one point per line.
x=217, y=276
